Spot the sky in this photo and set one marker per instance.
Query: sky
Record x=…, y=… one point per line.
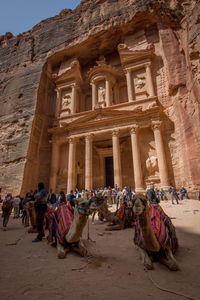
x=18, y=16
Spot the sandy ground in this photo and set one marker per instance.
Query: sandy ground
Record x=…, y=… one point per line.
x=32, y=271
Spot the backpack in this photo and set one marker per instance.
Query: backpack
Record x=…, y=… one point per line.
x=6, y=206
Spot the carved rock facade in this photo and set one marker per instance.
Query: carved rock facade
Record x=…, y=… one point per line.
x=105, y=94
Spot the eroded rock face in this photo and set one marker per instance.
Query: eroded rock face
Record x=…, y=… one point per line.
x=94, y=28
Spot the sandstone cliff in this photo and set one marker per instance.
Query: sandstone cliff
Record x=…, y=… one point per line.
x=27, y=96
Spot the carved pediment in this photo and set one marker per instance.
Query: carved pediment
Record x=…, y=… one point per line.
x=100, y=115
x=69, y=71
x=130, y=56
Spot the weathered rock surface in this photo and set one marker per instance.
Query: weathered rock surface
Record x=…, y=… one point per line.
x=27, y=96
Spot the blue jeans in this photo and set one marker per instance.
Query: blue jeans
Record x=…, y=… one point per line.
x=172, y=197
x=183, y=194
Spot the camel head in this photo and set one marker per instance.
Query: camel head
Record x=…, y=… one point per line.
x=85, y=207
x=139, y=204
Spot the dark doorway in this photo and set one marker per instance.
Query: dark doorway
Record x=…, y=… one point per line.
x=109, y=171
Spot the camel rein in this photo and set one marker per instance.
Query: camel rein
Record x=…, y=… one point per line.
x=167, y=290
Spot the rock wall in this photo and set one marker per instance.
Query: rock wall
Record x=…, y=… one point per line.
x=27, y=96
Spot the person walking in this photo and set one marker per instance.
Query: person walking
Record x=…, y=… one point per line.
x=40, y=209
x=6, y=209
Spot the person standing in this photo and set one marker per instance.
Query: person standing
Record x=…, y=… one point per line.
x=7, y=209
x=40, y=209
x=163, y=194
x=51, y=197
x=62, y=198
x=151, y=195
x=157, y=195
x=16, y=204
x=183, y=192
x=70, y=198
x=119, y=198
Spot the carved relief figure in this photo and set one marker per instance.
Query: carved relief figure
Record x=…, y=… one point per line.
x=152, y=165
x=140, y=82
x=66, y=101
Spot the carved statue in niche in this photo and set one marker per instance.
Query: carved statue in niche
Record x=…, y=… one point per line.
x=101, y=96
x=152, y=165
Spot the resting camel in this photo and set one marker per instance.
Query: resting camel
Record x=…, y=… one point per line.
x=121, y=219
x=69, y=224
x=154, y=234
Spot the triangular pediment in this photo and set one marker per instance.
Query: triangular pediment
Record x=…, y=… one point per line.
x=100, y=115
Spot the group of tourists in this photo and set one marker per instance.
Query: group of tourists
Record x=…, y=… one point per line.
x=155, y=195
x=42, y=198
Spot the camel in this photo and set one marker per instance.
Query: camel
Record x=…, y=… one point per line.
x=74, y=220
x=123, y=218
x=154, y=234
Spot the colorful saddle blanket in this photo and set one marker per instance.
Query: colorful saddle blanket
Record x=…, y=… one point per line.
x=61, y=220
x=162, y=227
x=126, y=213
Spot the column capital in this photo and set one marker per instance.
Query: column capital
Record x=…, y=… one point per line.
x=89, y=136
x=115, y=132
x=54, y=141
x=72, y=139
x=134, y=129
x=148, y=64
x=156, y=124
x=126, y=71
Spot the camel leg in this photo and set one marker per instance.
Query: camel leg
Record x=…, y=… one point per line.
x=146, y=261
x=61, y=250
x=169, y=261
x=111, y=227
x=78, y=248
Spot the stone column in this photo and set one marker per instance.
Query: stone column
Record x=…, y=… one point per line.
x=149, y=80
x=94, y=95
x=58, y=103
x=71, y=165
x=162, y=164
x=108, y=93
x=116, y=158
x=88, y=162
x=102, y=170
x=129, y=86
x=73, y=99
x=136, y=160
x=54, y=166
